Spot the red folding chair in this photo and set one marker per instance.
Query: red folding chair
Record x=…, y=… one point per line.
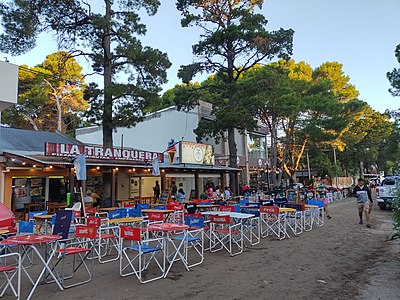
x=177, y=216
x=10, y=267
x=227, y=208
x=107, y=240
x=224, y=234
x=147, y=253
x=79, y=249
x=273, y=222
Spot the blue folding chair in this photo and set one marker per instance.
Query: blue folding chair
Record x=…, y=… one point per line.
x=143, y=206
x=162, y=207
x=134, y=213
x=116, y=214
x=194, y=240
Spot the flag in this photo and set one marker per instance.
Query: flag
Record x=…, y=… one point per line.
x=156, y=167
x=80, y=166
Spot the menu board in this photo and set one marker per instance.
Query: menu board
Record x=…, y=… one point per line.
x=27, y=190
x=134, y=187
x=292, y=196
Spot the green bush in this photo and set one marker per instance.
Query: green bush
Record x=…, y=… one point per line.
x=396, y=214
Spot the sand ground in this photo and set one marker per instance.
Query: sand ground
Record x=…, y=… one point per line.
x=341, y=260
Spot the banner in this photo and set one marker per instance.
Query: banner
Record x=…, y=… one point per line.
x=80, y=166
x=195, y=153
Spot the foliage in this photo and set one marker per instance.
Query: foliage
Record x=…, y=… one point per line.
x=50, y=95
x=291, y=101
x=396, y=213
x=364, y=135
x=394, y=75
x=108, y=38
x=389, y=150
x=234, y=39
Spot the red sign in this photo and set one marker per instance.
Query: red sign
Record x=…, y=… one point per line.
x=100, y=152
x=273, y=210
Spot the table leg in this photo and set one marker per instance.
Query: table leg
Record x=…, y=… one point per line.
x=45, y=267
x=177, y=252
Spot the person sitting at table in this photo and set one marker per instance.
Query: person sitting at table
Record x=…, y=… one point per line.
x=180, y=197
x=88, y=199
x=95, y=199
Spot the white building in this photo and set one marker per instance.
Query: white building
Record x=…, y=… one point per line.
x=157, y=129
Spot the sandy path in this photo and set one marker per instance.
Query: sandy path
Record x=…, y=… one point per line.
x=341, y=260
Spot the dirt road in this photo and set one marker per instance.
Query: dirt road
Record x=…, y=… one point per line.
x=341, y=260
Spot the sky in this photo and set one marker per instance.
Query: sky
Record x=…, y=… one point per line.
x=359, y=34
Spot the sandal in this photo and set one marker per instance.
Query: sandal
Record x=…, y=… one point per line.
x=329, y=217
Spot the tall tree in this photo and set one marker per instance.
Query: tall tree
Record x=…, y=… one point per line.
x=302, y=109
x=105, y=34
x=50, y=95
x=394, y=75
x=234, y=39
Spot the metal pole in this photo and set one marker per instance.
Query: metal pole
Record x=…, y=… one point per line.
x=308, y=167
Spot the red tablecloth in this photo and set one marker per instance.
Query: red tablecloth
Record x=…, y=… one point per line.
x=31, y=239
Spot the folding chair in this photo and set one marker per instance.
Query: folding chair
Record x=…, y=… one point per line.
x=318, y=213
x=10, y=267
x=143, y=206
x=225, y=234
x=161, y=207
x=295, y=220
x=107, y=239
x=252, y=226
x=134, y=213
x=194, y=240
x=152, y=218
x=145, y=254
x=206, y=227
x=272, y=221
x=80, y=249
x=177, y=216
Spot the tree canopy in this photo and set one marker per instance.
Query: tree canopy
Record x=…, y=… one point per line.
x=234, y=39
x=394, y=75
x=105, y=34
x=50, y=95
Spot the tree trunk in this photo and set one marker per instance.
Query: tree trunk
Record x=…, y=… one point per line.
x=59, y=113
x=31, y=121
x=232, y=161
x=274, y=150
x=107, y=109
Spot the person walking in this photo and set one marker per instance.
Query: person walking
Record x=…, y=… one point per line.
x=174, y=190
x=157, y=192
x=321, y=193
x=364, y=201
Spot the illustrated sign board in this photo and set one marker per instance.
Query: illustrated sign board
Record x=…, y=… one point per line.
x=100, y=152
x=194, y=153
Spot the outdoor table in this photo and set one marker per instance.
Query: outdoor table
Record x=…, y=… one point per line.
x=168, y=229
x=4, y=231
x=208, y=207
x=41, y=220
x=106, y=209
x=32, y=241
x=125, y=201
x=157, y=204
x=166, y=212
x=290, y=215
x=125, y=220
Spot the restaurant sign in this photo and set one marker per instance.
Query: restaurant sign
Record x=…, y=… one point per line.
x=100, y=152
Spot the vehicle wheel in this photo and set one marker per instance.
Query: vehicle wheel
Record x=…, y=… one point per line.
x=382, y=206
